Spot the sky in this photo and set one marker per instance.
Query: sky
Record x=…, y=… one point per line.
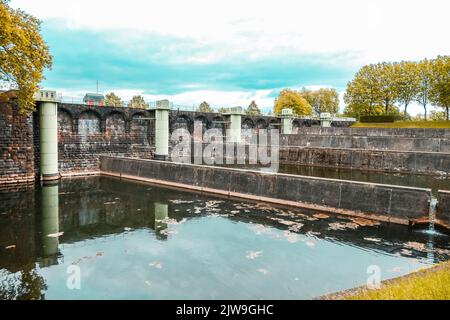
x=229, y=53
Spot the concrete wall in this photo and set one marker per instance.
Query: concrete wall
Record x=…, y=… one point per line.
x=443, y=209
x=378, y=132
x=377, y=142
x=381, y=202
x=16, y=146
x=363, y=159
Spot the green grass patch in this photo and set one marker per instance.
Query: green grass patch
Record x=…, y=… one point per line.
x=403, y=124
x=427, y=284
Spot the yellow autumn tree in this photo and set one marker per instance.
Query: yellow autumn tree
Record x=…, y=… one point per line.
x=291, y=99
x=23, y=56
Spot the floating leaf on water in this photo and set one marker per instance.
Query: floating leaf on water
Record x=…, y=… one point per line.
x=10, y=247
x=321, y=216
x=110, y=203
x=365, y=222
x=99, y=254
x=415, y=245
x=310, y=244
x=312, y=234
x=55, y=235
x=234, y=211
x=342, y=225
x=156, y=265
x=296, y=227
x=253, y=254
x=260, y=229
x=373, y=239
x=291, y=237
x=127, y=229
x=263, y=271
x=168, y=232
x=406, y=252
x=148, y=283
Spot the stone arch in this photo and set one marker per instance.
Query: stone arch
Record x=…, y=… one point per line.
x=248, y=123
x=261, y=123
x=182, y=122
x=115, y=123
x=139, y=128
x=65, y=121
x=88, y=123
x=204, y=120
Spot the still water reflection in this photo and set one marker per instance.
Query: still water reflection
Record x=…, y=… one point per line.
x=136, y=241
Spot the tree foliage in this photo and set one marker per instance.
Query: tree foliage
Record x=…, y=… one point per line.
x=423, y=93
x=204, y=107
x=138, y=102
x=440, y=83
x=253, y=109
x=291, y=99
x=407, y=82
x=322, y=100
x=113, y=100
x=23, y=55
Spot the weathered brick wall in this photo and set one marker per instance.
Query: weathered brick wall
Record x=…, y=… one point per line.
x=16, y=146
x=84, y=133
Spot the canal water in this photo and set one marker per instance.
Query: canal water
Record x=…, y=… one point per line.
x=103, y=238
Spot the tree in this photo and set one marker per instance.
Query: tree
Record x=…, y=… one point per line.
x=407, y=82
x=437, y=115
x=253, y=109
x=322, y=100
x=363, y=95
x=138, y=102
x=23, y=55
x=440, y=83
x=204, y=107
x=386, y=77
x=112, y=100
x=223, y=110
x=423, y=93
x=291, y=99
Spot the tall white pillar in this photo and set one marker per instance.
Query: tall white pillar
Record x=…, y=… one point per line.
x=162, y=129
x=286, y=122
x=235, y=124
x=48, y=131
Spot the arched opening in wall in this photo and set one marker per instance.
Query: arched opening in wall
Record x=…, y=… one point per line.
x=115, y=125
x=139, y=129
x=218, y=122
x=261, y=124
x=182, y=122
x=248, y=124
x=296, y=124
x=65, y=122
x=88, y=123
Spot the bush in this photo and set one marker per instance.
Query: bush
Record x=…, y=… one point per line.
x=382, y=118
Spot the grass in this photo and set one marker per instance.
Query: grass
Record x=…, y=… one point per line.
x=427, y=284
x=403, y=124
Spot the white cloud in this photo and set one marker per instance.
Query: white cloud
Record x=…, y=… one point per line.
x=368, y=30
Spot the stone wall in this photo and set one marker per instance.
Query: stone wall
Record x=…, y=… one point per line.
x=363, y=159
x=16, y=146
x=401, y=140
x=381, y=202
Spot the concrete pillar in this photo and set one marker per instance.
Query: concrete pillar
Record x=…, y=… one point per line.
x=48, y=130
x=50, y=225
x=235, y=124
x=162, y=129
x=286, y=122
x=325, y=119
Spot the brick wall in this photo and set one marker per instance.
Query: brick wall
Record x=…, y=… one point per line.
x=16, y=146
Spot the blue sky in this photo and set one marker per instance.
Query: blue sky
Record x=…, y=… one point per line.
x=229, y=52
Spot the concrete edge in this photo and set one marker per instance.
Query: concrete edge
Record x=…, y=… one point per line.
x=238, y=195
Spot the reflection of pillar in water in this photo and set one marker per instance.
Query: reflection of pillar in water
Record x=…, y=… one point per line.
x=50, y=224
x=161, y=213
